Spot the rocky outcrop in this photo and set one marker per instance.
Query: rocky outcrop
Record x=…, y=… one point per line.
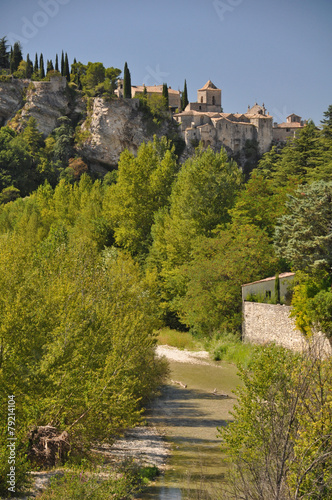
x=46, y=102
x=12, y=94
x=109, y=127
x=113, y=126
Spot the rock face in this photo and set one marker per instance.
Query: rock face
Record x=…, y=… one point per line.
x=113, y=126
x=109, y=127
x=46, y=102
x=11, y=98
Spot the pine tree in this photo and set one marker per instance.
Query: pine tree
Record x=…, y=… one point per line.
x=165, y=95
x=62, y=64
x=15, y=57
x=66, y=71
x=184, y=97
x=41, y=67
x=56, y=63
x=72, y=69
x=4, y=54
x=29, y=67
x=126, y=82
x=36, y=66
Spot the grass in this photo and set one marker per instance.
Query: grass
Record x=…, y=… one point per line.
x=181, y=340
x=229, y=347
x=221, y=346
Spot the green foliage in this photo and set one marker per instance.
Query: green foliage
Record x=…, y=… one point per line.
x=88, y=484
x=212, y=299
x=184, y=96
x=303, y=235
x=15, y=57
x=175, y=338
x=307, y=158
x=260, y=203
x=4, y=53
x=143, y=186
x=279, y=442
x=126, y=82
x=77, y=341
x=227, y=346
x=165, y=95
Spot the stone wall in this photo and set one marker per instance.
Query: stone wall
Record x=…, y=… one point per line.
x=265, y=323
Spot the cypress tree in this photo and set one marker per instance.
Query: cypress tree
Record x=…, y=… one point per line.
x=36, y=67
x=277, y=289
x=165, y=95
x=72, y=71
x=66, y=71
x=41, y=66
x=15, y=57
x=126, y=82
x=49, y=66
x=29, y=67
x=4, y=54
x=56, y=63
x=62, y=64
x=184, y=97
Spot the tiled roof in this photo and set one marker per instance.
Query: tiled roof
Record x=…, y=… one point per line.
x=289, y=125
x=281, y=276
x=154, y=88
x=209, y=85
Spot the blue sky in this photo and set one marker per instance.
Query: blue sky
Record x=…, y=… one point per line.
x=272, y=51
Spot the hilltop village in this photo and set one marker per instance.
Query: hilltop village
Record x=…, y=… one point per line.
x=204, y=121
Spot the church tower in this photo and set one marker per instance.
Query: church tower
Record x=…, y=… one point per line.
x=209, y=97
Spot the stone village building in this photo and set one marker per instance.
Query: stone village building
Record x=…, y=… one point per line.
x=205, y=121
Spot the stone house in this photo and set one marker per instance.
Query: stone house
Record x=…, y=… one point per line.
x=174, y=96
x=287, y=130
x=204, y=121
x=264, y=290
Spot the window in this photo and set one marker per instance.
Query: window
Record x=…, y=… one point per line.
x=213, y=100
x=202, y=99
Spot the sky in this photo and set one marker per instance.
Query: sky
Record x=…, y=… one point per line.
x=276, y=52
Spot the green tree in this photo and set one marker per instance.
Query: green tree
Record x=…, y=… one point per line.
x=62, y=70
x=41, y=67
x=219, y=266
x=205, y=190
x=143, y=187
x=15, y=57
x=4, y=53
x=29, y=67
x=56, y=67
x=165, y=95
x=327, y=123
x=94, y=74
x=184, y=96
x=279, y=441
x=126, y=82
x=36, y=66
x=303, y=235
x=66, y=71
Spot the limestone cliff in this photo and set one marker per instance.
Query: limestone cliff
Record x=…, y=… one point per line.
x=112, y=126
x=11, y=98
x=107, y=127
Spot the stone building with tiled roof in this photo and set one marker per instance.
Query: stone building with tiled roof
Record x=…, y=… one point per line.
x=204, y=121
x=174, y=97
x=288, y=130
